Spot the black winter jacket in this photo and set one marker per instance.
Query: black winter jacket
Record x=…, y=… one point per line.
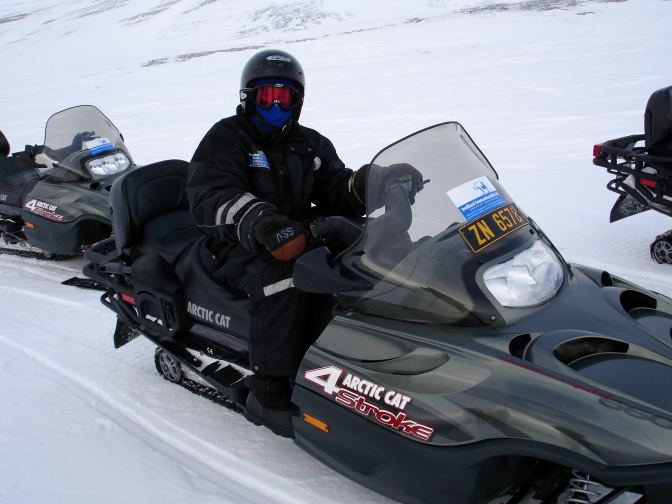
x=235, y=178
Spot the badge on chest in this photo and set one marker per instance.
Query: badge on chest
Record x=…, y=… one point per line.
x=259, y=160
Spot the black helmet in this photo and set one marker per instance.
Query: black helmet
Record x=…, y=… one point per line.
x=272, y=63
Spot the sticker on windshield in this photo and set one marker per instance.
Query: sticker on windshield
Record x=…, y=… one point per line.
x=98, y=145
x=476, y=197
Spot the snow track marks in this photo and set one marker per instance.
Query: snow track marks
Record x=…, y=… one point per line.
x=134, y=416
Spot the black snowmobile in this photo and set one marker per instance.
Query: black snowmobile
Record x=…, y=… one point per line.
x=643, y=173
x=464, y=362
x=54, y=198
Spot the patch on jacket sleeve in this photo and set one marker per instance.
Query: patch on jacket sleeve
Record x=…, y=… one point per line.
x=317, y=162
x=259, y=160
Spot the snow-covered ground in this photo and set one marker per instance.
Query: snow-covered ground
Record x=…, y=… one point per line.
x=535, y=82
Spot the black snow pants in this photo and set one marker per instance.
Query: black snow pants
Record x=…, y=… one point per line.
x=284, y=320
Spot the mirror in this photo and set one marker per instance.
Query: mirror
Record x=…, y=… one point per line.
x=4, y=145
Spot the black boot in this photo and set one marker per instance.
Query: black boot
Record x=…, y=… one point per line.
x=268, y=404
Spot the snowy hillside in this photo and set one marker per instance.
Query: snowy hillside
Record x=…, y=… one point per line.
x=535, y=82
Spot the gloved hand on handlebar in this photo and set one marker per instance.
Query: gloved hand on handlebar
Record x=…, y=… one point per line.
x=284, y=238
x=389, y=175
x=406, y=175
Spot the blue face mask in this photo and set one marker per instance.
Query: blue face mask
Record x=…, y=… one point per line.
x=275, y=118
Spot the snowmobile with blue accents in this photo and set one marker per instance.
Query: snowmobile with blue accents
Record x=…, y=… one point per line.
x=54, y=197
x=464, y=361
x=642, y=166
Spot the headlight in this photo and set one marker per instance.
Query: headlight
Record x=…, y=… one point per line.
x=529, y=278
x=109, y=165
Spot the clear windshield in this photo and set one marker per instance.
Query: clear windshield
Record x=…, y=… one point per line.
x=75, y=136
x=457, y=173
x=436, y=214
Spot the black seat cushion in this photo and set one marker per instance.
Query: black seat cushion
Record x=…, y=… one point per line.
x=170, y=233
x=18, y=175
x=150, y=210
x=658, y=122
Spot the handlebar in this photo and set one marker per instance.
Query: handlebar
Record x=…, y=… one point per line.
x=398, y=199
x=624, y=147
x=339, y=231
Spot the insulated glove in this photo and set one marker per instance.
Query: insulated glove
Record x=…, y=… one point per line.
x=384, y=177
x=284, y=238
x=395, y=171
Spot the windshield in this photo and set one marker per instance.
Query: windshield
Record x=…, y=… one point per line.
x=456, y=172
x=81, y=143
x=437, y=218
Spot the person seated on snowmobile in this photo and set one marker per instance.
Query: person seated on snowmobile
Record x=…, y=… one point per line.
x=256, y=181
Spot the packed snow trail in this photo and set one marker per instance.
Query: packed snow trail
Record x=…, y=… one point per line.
x=116, y=470
x=57, y=348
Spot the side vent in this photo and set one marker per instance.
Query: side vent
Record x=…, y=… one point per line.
x=632, y=300
x=606, y=279
x=519, y=344
x=573, y=350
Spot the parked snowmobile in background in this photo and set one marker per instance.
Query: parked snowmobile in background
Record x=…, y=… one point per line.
x=643, y=172
x=464, y=362
x=54, y=198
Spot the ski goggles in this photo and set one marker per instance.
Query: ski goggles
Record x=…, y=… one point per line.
x=268, y=95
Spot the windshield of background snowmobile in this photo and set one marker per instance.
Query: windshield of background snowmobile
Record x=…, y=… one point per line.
x=64, y=134
x=425, y=269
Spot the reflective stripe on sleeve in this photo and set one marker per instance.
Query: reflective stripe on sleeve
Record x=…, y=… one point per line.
x=232, y=207
x=351, y=188
x=280, y=286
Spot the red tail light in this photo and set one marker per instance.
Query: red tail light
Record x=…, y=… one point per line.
x=596, y=149
x=647, y=183
x=128, y=299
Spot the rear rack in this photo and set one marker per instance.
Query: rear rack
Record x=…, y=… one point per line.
x=651, y=182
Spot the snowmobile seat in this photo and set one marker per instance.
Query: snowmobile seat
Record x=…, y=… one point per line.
x=150, y=211
x=658, y=123
x=18, y=175
x=4, y=145
x=152, y=228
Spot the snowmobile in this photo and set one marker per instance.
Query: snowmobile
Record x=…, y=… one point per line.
x=643, y=173
x=464, y=361
x=54, y=197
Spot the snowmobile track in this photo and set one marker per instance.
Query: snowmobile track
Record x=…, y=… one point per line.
x=210, y=394
x=34, y=254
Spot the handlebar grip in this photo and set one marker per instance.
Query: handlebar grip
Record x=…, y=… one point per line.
x=334, y=228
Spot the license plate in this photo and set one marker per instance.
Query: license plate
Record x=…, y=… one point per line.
x=493, y=226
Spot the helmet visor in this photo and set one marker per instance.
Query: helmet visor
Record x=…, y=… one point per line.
x=268, y=95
